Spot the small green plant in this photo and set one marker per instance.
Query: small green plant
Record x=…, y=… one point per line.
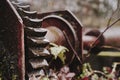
x=58, y=51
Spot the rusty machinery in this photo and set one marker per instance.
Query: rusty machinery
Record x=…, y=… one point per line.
x=30, y=38
x=34, y=34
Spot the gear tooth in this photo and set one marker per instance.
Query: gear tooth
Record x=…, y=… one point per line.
x=37, y=32
x=23, y=13
x=21, y=5
x=24, y=10
x=29, y=22
x=40, y=52
x=37, y=42
x=36, y=73
x=38, y=63
x=24, y=7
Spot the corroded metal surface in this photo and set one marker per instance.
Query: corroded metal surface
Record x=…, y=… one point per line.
x=12, y=32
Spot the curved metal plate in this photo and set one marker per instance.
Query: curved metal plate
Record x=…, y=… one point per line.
x=63, y=25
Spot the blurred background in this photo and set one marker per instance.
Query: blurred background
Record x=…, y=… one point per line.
x=91, y=13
